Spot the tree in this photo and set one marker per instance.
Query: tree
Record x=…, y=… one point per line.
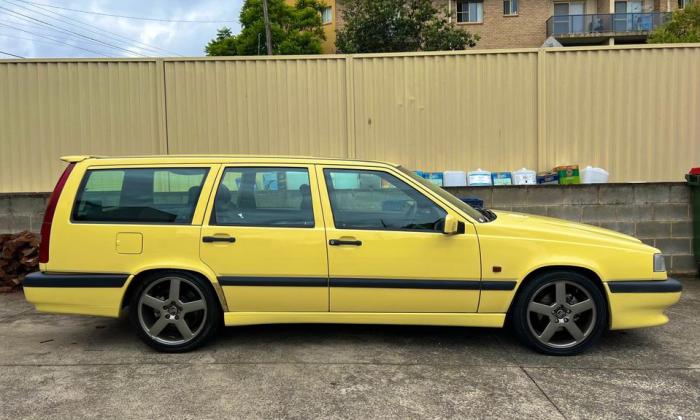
x=295, y=30
x=684, y=26
x=399, y=25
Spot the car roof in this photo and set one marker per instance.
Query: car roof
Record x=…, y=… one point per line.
x=217, y=158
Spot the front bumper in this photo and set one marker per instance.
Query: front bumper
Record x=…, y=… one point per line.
x=641, y=303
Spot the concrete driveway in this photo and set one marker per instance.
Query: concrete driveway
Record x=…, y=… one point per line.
x=69, y=367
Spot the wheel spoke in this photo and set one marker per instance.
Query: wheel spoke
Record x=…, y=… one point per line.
x=548, y=332
x=560, y=288
x=574, y=330
x=582, y=306
x=153, y=302
x=196, y=305
x=540, y=308
x=174, y=289
x=183, y=328
x=158, y=326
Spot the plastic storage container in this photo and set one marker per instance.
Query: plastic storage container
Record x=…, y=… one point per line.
x=454, y=179
x=591, y=175
x=501, y=178
x=548, y=178
x=524, y=177
x=435, y=177
x=479, y=178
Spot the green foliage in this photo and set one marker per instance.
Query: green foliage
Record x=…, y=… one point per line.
x=684, y=26
x=295, y=30
x=397, y=26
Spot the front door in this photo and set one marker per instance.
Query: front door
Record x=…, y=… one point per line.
x=386, y=249
x=264, y=237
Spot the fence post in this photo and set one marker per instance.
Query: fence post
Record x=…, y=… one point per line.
x=161, y=89
x=541, y=109
x=350, y=106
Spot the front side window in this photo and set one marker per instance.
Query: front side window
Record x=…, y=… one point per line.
x=327, y=15
x=510, y=7
x=375, y=200
x=143, y=195
x=470, y=11
x=264, y=197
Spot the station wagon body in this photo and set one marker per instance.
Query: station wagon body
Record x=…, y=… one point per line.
x=188, y=243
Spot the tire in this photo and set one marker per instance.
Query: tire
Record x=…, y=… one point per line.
x=560, y=313
x=174, y=319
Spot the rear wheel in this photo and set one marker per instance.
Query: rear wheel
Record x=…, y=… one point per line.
x=174, y=311
x=560, y=313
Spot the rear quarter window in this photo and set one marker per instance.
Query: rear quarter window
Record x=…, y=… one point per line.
x=139, y=195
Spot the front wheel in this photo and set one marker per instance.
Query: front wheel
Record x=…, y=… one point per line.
x=174, y=311
x=560, y=313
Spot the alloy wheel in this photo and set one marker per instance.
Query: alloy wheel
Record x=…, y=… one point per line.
x=561, y=314
x=172, y=310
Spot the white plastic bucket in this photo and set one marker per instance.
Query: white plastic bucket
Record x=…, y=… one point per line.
x=454, y=179
x=591, y=175
x=524, y=176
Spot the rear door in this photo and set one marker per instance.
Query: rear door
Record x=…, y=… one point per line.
x=264, y=237
x=386, y=249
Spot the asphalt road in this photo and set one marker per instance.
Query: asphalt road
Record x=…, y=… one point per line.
x=71, y=367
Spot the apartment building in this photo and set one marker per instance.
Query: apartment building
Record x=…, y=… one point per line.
x=528, y=23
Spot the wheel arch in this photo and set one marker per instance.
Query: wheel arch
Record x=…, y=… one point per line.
x=139, y=277
x=584, y=271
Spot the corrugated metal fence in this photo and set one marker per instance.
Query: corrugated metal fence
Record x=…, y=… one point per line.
x=632, y=110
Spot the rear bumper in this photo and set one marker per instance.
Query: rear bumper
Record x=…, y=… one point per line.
x=76, y=293
x=636, y=304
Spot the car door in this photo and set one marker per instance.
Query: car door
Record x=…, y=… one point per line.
x=386, y=249
x=264, y=237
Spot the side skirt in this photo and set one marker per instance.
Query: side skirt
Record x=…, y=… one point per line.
x=442, y=319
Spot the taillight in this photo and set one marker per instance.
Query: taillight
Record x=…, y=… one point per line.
x=48, y=215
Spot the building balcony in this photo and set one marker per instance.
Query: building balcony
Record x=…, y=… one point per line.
x=602, y=25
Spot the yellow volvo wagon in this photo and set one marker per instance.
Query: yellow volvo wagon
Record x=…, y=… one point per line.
x=188, y=243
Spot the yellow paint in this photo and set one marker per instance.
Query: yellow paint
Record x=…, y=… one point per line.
x=456, y=320
x=519, y=244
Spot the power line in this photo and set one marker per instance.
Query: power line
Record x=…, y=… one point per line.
x=11, y=55
x=57, y=41
x=71, y=32
x=47, y=42
x=111, y=35
x=131, y=17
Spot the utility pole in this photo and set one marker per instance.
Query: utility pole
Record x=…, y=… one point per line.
x=268, y=34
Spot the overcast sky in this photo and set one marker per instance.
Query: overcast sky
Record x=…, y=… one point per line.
x=26, y=36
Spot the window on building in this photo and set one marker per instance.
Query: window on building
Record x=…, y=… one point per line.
x=470, y=11
x=264, y=197
x=510, y=7
x=683, y=3
x=327, y=15
x=144, y=195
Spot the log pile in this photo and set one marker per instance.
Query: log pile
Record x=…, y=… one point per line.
x=19, y=256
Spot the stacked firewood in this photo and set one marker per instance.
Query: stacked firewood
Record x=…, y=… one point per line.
x=19, y=256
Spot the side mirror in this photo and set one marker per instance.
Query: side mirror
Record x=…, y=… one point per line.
x=451, y=225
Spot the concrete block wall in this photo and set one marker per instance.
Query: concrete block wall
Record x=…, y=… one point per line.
x=657, y=213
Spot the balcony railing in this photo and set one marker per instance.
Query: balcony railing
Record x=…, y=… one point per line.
x=605, y=23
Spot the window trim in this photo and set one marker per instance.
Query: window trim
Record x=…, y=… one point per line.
x=212, y=208
x=83, y=181
x=326, y=179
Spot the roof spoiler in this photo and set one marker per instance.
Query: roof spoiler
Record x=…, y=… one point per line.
x=76, y=158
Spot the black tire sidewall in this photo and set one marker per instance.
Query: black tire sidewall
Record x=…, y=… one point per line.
x=212, y=322
x=520, y=312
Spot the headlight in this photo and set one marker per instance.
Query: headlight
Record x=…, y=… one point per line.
x=659, y=263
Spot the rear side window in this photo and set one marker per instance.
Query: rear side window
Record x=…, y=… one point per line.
x=143, y=195
x=264, y=197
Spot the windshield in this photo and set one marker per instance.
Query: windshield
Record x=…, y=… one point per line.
x=475, y=214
